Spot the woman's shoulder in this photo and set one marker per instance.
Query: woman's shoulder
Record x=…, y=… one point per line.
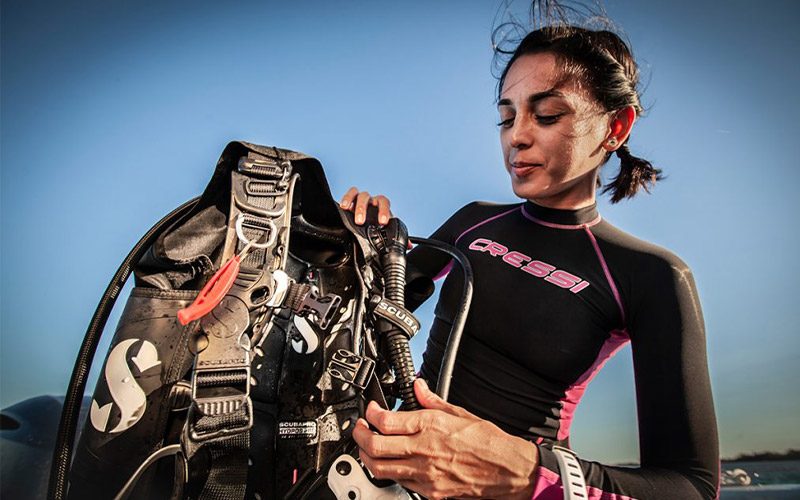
x=483, y=209
x=470, y=215
x=645, y=255
x=650, y=277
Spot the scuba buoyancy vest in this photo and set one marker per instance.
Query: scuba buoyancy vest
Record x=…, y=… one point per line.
x=261, y=323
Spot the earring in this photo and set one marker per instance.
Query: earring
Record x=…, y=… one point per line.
x=612, y=142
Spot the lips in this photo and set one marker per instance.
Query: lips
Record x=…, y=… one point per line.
x=521, y=168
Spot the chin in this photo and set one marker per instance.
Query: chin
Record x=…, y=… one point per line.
x=528, y=190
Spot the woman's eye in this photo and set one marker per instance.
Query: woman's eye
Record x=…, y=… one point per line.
x=548, y=119
x=506, y=123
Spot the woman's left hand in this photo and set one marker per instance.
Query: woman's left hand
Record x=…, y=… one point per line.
x=444, y=451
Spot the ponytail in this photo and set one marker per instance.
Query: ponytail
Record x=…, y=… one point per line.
x=602, y=62
x=634, y=172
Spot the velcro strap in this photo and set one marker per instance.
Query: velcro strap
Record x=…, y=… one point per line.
x=398, y=316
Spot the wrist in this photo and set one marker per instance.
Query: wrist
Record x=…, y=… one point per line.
x=534, y=469
x=527, y=472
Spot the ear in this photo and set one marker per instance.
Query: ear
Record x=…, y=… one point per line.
x=619, y=128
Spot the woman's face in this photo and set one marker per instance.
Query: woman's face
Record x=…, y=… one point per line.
x=552, y=133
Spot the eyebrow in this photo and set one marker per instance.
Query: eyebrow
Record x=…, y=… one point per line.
x=534, y=98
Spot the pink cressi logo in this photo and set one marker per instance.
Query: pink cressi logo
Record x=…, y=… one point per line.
x=526, y=264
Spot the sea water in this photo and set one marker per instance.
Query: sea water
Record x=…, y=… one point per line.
x=770, y=480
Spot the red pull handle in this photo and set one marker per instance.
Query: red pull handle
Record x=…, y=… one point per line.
x=212, y=293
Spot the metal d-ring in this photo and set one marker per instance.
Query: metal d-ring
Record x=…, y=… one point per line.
x=273, y=233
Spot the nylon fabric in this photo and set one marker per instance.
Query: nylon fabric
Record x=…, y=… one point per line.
x=227, y=478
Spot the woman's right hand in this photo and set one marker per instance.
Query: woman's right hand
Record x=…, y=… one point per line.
x=357, y=201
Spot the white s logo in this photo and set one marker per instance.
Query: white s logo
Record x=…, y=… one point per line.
x=309, y=341
x=129, y=397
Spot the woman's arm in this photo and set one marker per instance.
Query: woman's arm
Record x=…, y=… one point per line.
x=679, y=451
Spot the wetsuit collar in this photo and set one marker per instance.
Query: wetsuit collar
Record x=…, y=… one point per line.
x=558, y=217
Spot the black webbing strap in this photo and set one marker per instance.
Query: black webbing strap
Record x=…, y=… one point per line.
x=221, y=415
x=227, y=477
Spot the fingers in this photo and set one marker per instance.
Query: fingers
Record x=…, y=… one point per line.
x=430, y=400
x=347, y=199
x=427, y=397
x=357, y=202
x=362, y=200
x=380, y=446
x=394, y=422
x=383, y=204
x=394, y=469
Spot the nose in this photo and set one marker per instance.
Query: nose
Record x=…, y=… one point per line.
x=521, y=134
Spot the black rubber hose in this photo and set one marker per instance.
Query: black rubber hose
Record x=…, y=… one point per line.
x=399, y=351
x=400, y=355
x=391, y=242
x=62, y=453
x=454, y=340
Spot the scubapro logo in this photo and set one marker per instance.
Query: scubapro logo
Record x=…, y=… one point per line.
x=127, y=395
x=400, y=314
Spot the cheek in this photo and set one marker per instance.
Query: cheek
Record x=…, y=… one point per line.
x=504, y=140
x=505, y=145
x=560, y=152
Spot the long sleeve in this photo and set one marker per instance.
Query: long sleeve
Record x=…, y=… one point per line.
x=677, y=427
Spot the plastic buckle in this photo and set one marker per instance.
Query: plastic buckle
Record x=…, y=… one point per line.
x=221, y=380
x=320, y=308
x=263, y=167
x=351, y=368
x=216, y=393
x=260, y=187
x=247, y=188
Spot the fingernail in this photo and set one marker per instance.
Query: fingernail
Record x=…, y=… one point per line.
x=383, y=219
x=359, y=219
x=423, y=383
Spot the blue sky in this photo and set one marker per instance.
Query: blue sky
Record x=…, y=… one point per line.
x=114, y=112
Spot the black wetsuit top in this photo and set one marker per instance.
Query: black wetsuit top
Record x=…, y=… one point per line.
x=557, y=293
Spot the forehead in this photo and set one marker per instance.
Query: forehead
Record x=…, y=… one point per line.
x=534, y=73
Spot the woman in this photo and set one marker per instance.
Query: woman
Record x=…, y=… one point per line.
x=558, y=292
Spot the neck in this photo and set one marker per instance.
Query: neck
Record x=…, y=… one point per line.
x=564, y=204
x=563, y=217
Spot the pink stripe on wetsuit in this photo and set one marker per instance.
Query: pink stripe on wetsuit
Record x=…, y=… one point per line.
x=449, y=267
x=616, y=341
x=548, y=484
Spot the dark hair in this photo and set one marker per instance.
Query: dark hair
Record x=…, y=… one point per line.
x=602, y=62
